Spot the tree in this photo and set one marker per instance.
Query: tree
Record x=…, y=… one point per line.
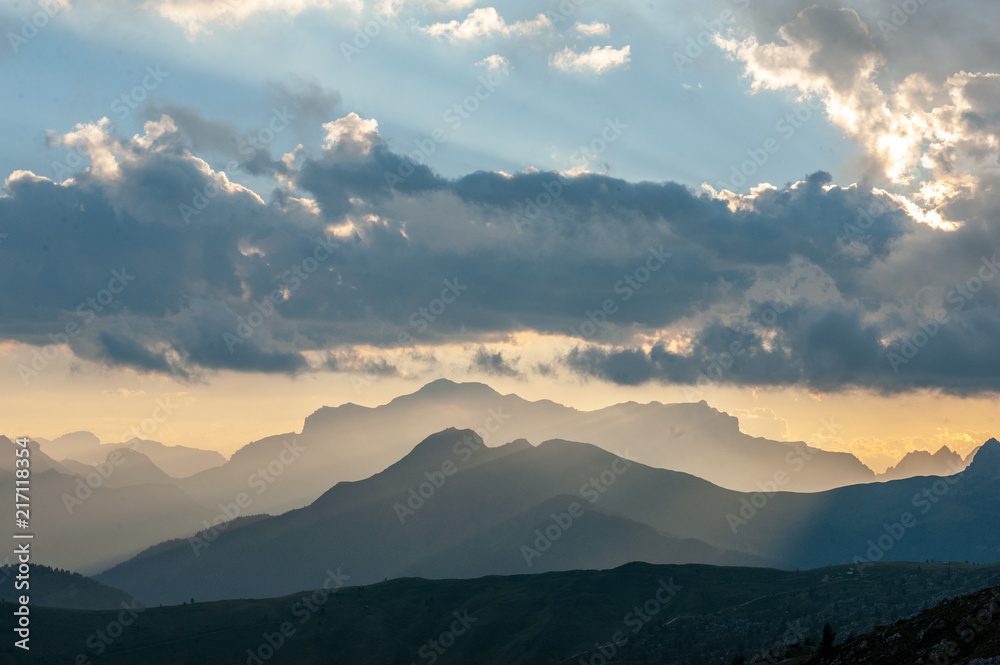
x=738, y=660
x=826, y=644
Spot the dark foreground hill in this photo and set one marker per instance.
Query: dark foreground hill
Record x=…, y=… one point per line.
x=959, y=631
x=679, y=615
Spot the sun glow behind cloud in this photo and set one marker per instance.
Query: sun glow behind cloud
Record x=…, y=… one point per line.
x=917, y=134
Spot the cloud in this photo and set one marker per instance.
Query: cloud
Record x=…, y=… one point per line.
x=124, y=392
x=354, y=363
x=197, y=16
x=824, y=348
x=351, y=134
x=127, y=351
x=308, y=101
x=495, y=63
x=392, y=7
x=357, y=247
x=930, y=139
x=486, y=22
x=598, y=60
x=299, y=106
x=494, y=363
x=593, y=29
x=762, y=422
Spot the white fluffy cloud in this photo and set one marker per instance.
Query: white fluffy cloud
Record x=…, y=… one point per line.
x=196, y=16
x=351, y=134
x=486, y=22
x=495, y=63
x=593, y=29
x=597, y=60
x=392, y=7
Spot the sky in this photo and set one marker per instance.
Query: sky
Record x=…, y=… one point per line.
x=248, y=210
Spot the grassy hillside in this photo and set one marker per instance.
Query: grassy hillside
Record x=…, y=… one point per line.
x=960, y=631
x=549, y=618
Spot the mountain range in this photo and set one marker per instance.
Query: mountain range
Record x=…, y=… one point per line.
x=454, y=507
x=944, y=462
x=351, y=442
x=175, y=461
x=97, y=521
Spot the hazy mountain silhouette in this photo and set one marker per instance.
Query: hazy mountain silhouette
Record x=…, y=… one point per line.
x=88, y=522
x=352, y=442
x=922, y=463
x=39, y=460
x=175, y=461
x=694, y=437
x=134, y=468
x=479, y=518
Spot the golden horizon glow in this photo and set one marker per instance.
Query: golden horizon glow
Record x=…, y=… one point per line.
x=230, y=409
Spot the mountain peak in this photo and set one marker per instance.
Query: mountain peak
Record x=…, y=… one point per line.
x=81, y=438
x=441, y=390
x=439, y=446
x=444, y=441
x=447, y=388
x=987, y=459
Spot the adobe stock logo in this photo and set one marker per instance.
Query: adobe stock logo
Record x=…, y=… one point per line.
x=30, y=27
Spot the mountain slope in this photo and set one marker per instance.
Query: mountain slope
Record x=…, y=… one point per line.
x=52, y=587
x=587, y=542
x=133, y=468
x=959, y=631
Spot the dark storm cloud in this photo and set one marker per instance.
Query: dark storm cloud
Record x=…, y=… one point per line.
x=237, y=283
x=823, y=348
x=126, y=351
x=376, y=178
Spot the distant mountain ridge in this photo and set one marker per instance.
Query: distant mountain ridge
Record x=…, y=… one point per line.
x=86, y=518
x=175, y=461
x=353, y=442
x=690, y=437
x=922, y=463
